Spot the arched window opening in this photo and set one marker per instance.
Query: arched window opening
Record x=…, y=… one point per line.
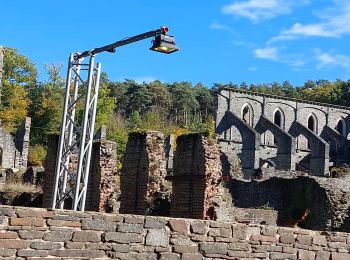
x=311, y=123
x=278, y=118
x=341, y=127
x=247, y=114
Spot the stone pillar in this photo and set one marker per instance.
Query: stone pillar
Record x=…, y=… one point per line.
x=143, y=173
x=197, y=173
x=49, y=175
x=102, y=179
x=22, y=143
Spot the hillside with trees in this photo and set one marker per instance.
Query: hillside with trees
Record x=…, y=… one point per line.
x=127, y=106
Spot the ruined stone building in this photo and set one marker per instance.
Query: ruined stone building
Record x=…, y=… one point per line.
x=283, y=133
x=13, y=149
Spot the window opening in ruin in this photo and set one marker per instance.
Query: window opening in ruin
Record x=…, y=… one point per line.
x=277, y=119
x=341, y=127
x=311, y=123
x=247, y=115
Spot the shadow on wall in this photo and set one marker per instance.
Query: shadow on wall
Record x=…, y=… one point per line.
x=299, y=202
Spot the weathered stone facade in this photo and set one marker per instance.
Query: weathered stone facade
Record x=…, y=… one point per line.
x=281, y=132
x=14, y=150
x=102, y=177
x=39, y=233
x=143, y=173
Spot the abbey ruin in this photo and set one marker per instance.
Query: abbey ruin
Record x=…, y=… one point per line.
x=283, y=133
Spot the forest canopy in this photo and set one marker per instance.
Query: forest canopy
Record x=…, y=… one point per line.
x=178, y=107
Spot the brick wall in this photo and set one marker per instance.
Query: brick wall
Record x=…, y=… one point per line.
x=101, y=178
x=143, y=173
x=196, y=175
x=34, y=233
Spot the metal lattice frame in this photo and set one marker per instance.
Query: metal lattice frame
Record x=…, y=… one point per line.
x=76, y=137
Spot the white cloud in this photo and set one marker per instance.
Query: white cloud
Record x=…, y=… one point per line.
x=267, y=53
x=257, y=10
x=333, y=23
x=219, y=26
x=326, y=59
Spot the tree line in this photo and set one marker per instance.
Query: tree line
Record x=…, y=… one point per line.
x=126, y=106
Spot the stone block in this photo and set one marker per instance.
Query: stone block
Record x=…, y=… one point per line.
x=120, y=248
x=130, y=228
x=86, y=236
x=199, y=227
x=5, y=252
x=8, y=212
x=306, y=255
x=32, y=253
x=124, y=238
x=134, y=220
x=156, y=223
x=37, y=213
x=29, y=221
x=340, y=256
x=179, y=225
x=63, y=223
x=319, y=241
x=239, y=232
x=196, y=256
x=58, y=235
x=239, y=246
x=282, y=256
x=14, y=244
x=287, y=238
x=169, y=256
x=45, y=245
x=8, y=235
x=156, y=237
x=213, y=248
x=30, y=234
x=263, y=238
x=220, y=232
x=322, y=255
x=98, y=225
x=185, y=249
x=74, y=245
x=269, y=231
x=74, y=253
x=304, y=239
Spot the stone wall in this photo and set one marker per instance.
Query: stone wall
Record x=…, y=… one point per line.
x=311, y=202
x=143, y=173
x=39, y=233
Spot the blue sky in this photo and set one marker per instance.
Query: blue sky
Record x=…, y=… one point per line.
x=257, y=41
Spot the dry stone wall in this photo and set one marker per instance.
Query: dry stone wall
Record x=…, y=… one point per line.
x=39, y=233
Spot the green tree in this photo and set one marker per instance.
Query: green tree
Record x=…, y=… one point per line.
x=19, y=73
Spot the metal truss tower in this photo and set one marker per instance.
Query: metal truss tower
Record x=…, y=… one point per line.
x=71, y=182
x=82, y=86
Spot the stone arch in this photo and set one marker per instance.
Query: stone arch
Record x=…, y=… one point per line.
x=247, y=114
x=341, y=127
x=312, y=123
